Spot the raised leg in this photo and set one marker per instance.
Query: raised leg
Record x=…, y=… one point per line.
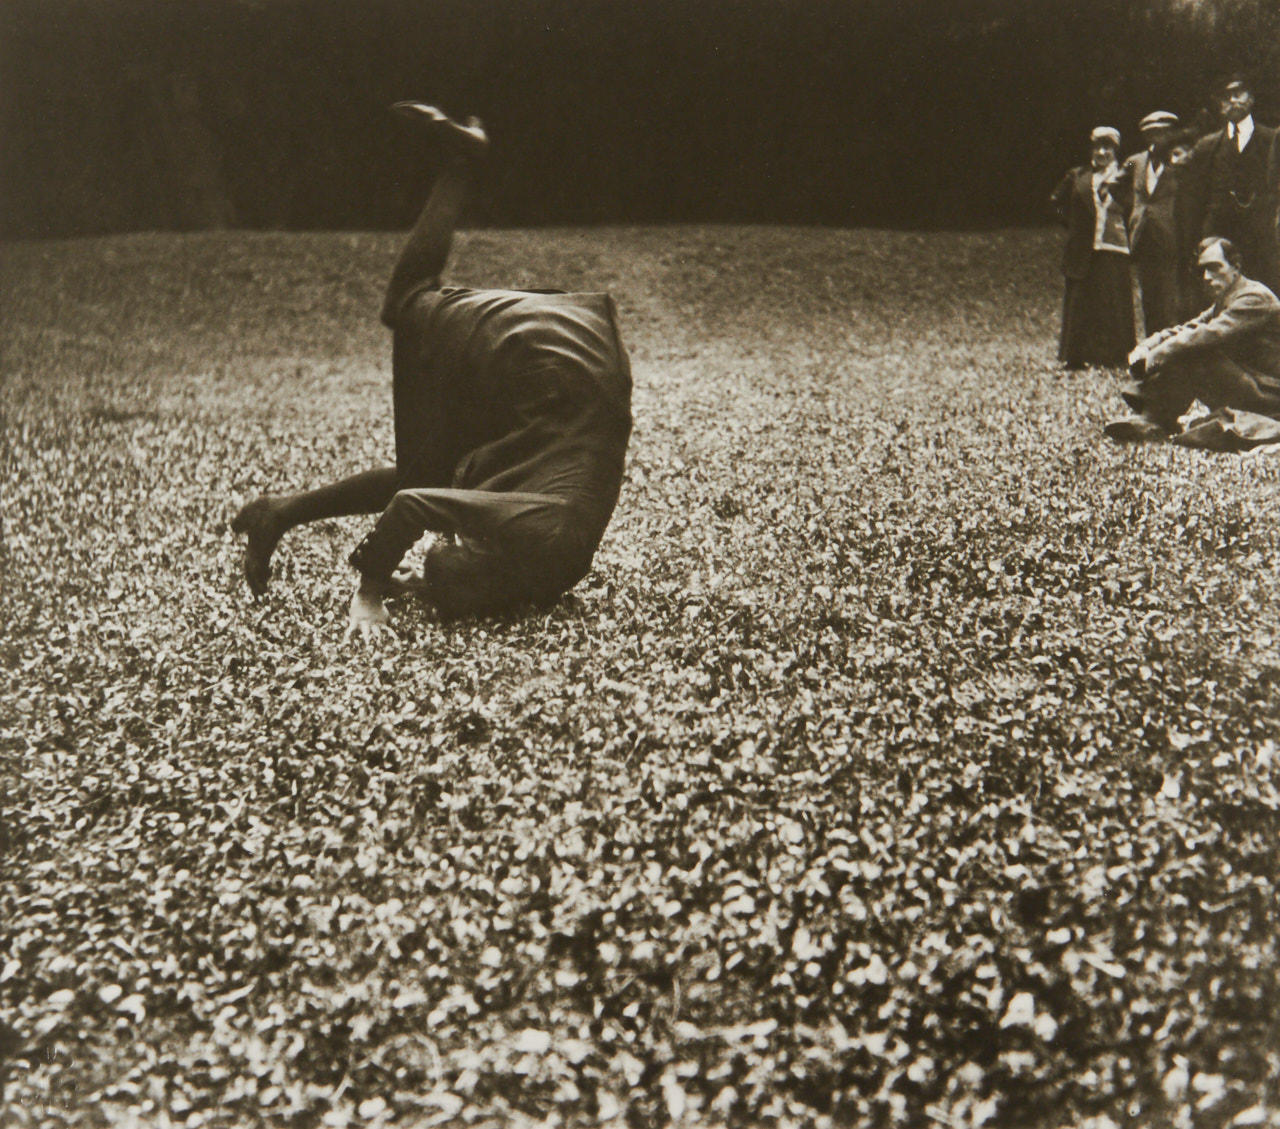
x=268, y=518
x=426, y=251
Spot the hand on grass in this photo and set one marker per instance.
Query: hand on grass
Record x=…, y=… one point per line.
x=1138, y=361
x=368, y=618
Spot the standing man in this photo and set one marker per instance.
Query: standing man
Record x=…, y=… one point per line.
x=1240, y=164
x=1228, y=356
x=512, y=414
x=1147, y=185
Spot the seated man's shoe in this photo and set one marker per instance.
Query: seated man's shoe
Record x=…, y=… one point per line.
x=1135, y=429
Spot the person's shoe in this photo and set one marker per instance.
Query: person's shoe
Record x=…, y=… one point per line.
x=1212, y=432
x=259, y=520
x=420, y=111
x=471, y=136
x=1135, y=429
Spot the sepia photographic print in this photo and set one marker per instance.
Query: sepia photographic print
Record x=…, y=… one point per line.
x=639, y=563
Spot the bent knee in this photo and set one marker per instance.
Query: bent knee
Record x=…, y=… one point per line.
x=543, y=569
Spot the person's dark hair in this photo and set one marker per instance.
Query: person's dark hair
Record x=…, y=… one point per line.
x=1172, y=139
x=1229, y=251
x=1204, y=121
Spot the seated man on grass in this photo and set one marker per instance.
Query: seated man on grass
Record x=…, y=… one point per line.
x=512, y=415
x=1227, y=357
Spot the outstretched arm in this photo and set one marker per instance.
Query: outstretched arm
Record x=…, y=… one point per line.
x=1245, y=315
x=492, y=517
x=1148, y=344
x=496, y=529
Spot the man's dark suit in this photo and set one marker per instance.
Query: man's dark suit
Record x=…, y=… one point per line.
x=512, y=414
x=1159, y=242
x=1226, y=356
x=1240, y=193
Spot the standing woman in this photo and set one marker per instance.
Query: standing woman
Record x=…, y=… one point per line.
x=1097, y=311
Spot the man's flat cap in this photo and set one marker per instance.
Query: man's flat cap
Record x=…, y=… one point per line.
x=1158, y=119
x=1106, y=133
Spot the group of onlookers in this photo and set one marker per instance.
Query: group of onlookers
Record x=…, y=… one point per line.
x=1192, y=219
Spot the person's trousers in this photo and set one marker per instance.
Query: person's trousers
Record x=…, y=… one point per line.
x=1162, y=301
x=1215, y=380
x=501, y=549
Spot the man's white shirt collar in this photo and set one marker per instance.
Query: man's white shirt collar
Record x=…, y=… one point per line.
x=1240, y=132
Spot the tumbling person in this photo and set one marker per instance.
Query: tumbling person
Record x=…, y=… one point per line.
x=1097, y=309
x=512, y=415
x=1228, y=356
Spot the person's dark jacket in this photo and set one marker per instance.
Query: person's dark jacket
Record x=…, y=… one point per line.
x=1243, y=327
x=1072, y=201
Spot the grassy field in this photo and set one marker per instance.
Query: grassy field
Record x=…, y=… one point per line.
x=908, y=758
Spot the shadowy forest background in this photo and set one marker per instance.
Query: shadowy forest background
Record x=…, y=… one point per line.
x=123, y=115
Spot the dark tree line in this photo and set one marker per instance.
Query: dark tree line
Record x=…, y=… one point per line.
x=128, y=114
